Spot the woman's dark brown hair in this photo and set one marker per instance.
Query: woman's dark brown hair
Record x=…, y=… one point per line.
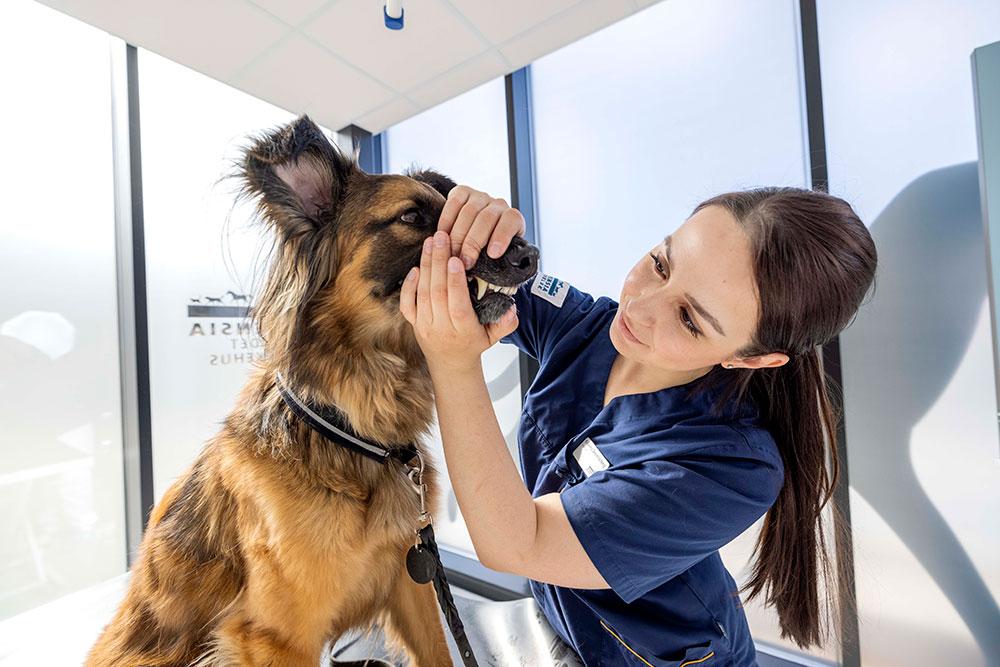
x=814, y=262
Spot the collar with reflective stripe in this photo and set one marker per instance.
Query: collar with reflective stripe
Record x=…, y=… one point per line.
x=331, y=423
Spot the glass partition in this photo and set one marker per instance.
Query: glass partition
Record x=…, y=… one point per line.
x=200, y=253
x=917, y=363
x=62, y=524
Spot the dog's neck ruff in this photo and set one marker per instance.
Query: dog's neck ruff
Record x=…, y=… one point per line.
x=332, y=424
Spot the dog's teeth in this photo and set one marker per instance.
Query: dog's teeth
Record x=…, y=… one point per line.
x=482, y=287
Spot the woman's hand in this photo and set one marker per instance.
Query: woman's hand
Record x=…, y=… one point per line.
x=473, y=218
x=435, y=299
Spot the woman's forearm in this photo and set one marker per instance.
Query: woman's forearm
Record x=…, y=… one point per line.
x=498, y=510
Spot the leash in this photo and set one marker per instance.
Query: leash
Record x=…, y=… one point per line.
x=423, y=560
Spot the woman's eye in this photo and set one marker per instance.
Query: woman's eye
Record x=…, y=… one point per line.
x=656, y=263
x=689, y=323
x=409, y=217
x=686, y=321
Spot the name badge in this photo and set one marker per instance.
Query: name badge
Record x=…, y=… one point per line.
x=589, y=457
x=551, y=289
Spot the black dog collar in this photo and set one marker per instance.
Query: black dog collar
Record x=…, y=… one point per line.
x=330, y=422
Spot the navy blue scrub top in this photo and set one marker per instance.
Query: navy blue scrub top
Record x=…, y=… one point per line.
x=679, y=484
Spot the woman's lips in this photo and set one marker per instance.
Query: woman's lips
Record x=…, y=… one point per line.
x=628, y=332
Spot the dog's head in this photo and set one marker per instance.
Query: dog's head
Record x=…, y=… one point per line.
x=345, y=240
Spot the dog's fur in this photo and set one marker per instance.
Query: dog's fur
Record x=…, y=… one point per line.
x=276, y=541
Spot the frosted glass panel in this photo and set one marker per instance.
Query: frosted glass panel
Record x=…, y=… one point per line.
x=200, y=252
x=918, y=361
x=61, y=487
x=638, y=123
x=466, y=139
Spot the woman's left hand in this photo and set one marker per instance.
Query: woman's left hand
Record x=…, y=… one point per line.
x=435, y=299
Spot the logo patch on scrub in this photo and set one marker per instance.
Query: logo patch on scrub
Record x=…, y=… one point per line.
x=589, y=457
x=549, y=288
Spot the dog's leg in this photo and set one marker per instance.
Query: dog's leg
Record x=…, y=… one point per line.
x=245, y=641
x=413, y=623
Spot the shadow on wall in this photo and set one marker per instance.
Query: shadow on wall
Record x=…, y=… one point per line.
x=930, y=288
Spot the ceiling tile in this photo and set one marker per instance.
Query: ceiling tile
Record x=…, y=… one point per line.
x=341, y=63
x=298, y=72
x=291, y=11
x=464, y=77
x=434, y=40
x=187, y=31
x=395, y=111
x=499, y=21
x=585, y=18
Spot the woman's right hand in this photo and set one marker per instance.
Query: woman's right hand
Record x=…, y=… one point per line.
x=474, y=221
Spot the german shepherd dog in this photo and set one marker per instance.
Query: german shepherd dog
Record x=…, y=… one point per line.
x=276, y=540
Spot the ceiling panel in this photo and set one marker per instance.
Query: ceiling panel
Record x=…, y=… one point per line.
x=307, y=76
x=499, y=21
x=291, y=12
x=336, y=60
x=434, y=40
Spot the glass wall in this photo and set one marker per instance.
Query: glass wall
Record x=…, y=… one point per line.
x=639, y=122
x=200, y=254
x=61, y=483
x=466, y=139
x=917, y=362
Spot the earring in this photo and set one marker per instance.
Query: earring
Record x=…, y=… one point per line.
x=729, y=365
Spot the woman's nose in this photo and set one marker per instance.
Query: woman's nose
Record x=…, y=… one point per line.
x=637, y=311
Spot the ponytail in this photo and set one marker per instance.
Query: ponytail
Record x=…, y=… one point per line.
x=814, y=261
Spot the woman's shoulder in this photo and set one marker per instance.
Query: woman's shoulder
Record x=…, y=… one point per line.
x=553, y=313
x=553, y=292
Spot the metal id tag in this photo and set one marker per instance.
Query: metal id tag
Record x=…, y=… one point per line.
x=589, y=457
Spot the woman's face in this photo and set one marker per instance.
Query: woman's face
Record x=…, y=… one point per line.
x=691, y=301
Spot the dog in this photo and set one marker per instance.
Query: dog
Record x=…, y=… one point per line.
x=276, y=540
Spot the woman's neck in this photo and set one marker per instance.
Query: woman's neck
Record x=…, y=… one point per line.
x=631, y=377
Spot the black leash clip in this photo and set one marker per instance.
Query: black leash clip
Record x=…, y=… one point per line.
x=423, y=564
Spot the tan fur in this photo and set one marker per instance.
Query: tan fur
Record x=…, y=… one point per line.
x=276, y=541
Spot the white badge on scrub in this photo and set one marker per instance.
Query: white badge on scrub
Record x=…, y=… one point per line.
x=590, y=458
x=549, y=288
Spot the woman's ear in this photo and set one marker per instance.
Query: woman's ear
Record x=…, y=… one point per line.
x=298, y=175
x=772, y=360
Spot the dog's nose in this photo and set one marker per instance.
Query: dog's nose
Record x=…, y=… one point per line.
x=523, y=258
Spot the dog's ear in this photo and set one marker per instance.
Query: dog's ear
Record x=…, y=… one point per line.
x=439, y=182
x=298, y=174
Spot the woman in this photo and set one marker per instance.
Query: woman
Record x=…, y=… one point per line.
x=658, y=428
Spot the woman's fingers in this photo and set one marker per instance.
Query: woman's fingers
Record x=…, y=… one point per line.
x=468, y=218
x=483, y=228
x=439, y=278
x=408, y=296
x=510, y=224
x=475, y=221
x=459, y=301
x=456, y=199
x=425, y=316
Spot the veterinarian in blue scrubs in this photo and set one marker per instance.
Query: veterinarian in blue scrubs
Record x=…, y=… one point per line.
x=635, y=481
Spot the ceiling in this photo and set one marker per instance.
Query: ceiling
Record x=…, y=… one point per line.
x=336, y=60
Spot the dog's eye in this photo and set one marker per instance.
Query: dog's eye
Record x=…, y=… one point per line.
x=410, y=217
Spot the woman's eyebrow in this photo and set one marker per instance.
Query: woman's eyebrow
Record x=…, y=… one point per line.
x=707, y=316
